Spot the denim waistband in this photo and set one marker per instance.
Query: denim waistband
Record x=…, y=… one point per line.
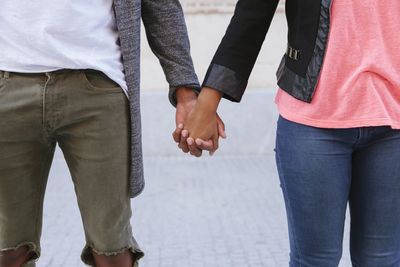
x=6, y=74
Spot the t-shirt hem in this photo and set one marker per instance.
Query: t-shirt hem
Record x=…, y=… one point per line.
x=337, y=124
x=122, y=84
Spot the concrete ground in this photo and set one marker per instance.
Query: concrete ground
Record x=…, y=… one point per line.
x=219, y=211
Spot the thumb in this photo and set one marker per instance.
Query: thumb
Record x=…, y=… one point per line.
x=221, y=130
x=205, y=145
x=177, y=133
x=221, y=127
x=215, y=139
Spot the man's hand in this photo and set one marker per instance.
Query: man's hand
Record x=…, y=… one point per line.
x=186, y=100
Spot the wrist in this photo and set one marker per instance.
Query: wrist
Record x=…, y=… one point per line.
x=184, y=94
x=209, y=99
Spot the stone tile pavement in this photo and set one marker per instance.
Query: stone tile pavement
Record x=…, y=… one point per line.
x=219, y=211
x=213, y=212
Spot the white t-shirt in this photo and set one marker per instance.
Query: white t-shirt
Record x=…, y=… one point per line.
x=47, y=35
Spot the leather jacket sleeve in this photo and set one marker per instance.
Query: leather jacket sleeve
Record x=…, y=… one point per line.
x=234, y=60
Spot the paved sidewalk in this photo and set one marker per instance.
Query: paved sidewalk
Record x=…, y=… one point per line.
x=212, y=212
x=222, y=211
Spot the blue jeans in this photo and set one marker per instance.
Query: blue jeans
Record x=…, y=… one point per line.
x=323, y=169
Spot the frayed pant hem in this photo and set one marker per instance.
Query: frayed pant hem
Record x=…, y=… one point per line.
x=88, y=259
x=32, y=247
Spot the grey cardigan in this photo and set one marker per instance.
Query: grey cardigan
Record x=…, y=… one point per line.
x=167, y=35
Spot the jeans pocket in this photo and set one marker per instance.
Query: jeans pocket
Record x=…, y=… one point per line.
x=97, y=81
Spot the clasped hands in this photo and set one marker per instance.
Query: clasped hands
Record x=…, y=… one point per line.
x=198, y=125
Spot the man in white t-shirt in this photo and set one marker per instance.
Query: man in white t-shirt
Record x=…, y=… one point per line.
x=69, y=75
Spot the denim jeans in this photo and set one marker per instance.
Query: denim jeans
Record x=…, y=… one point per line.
x=323, y=169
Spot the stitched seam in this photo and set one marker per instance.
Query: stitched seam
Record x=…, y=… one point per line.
x=289, y=209
x=44, y=98
x=41, y=196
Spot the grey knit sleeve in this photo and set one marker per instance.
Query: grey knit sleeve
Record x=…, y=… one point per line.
x=168, y=38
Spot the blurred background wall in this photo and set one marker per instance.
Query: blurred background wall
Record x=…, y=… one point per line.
x=213, y=6
x=207, y=21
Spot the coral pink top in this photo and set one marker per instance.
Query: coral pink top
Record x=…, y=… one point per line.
x=360, y=78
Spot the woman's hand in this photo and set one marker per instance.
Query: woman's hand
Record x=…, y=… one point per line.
x=203, y=125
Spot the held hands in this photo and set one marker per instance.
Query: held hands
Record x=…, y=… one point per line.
x=198, y=126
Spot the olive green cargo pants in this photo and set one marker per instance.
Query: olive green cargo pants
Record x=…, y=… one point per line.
x=87, y=114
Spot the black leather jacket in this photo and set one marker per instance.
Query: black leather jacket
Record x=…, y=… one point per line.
x=299, y=70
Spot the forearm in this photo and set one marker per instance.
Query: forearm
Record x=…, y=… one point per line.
x=168, y=38
x=234, y=60
x=245, y=35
